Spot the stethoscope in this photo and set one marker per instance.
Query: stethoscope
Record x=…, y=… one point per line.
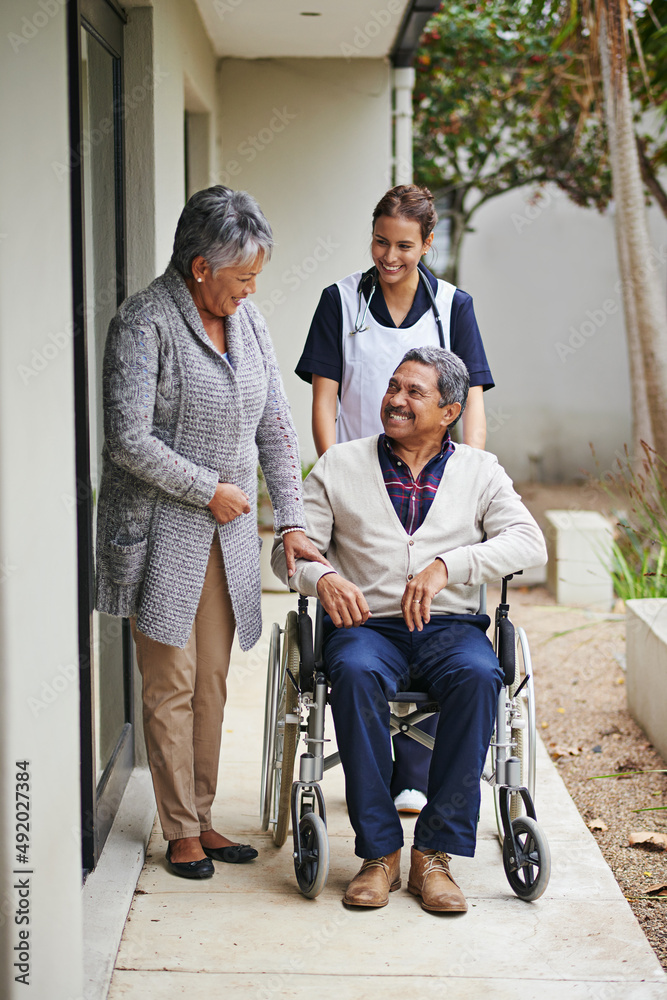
x=360, y=322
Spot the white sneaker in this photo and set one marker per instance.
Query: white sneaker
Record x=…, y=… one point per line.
x=410, y=800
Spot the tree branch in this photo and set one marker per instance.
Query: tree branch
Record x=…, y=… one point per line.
x=649, y=177
x=520, y=182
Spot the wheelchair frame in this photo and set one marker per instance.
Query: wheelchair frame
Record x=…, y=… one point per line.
x=296, y=698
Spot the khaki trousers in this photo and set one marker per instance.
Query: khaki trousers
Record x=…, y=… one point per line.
x=184, y=694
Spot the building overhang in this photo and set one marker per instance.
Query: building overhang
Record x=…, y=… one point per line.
x=317, y=29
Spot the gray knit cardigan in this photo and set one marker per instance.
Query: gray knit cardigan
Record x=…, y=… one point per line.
x=178, y=419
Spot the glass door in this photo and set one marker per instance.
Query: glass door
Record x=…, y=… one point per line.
x=107, y=750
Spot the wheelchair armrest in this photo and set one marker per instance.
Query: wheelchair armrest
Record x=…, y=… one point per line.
x=319, y=632
x=506, y=650
x=307, y=660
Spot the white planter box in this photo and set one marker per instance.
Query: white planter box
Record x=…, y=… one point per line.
x=579, y=547
x=646, y=682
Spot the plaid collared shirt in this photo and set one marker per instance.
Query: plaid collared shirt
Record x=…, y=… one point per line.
x=412, y=498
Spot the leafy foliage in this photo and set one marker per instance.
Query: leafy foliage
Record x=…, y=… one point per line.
x=638, y=38
x=639, y=555
x=497, y=107
x=508, y=94
x=648, y=82
x=651, y=20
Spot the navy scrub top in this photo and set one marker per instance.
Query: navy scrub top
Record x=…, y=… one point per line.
x=322, y=353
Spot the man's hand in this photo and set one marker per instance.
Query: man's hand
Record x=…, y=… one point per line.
x=228, y=502
x=342, y=601
x=417, y=597
x=297, y=545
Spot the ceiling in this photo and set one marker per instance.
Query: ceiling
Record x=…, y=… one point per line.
x=256, y=29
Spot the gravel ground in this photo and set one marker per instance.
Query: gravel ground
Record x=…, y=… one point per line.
x=579, y=667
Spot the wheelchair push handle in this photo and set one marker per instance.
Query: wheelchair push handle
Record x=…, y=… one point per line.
x=506, y=580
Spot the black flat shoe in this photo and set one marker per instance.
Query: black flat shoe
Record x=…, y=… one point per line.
x=190, y=869
x=235, y=854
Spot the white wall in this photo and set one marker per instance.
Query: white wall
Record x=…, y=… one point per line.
x=39, y=700
x=544, y=280
x=311, y=140
x=183, y=57
x=142, y=78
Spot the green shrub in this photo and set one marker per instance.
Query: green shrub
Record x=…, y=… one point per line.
x=639, y=554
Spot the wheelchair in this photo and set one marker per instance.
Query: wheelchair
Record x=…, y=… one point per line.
x=296, y=698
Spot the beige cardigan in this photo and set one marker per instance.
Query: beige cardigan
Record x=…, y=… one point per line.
x=352, y=521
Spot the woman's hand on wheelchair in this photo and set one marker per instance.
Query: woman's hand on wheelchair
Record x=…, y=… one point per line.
x=342, y=601
x=417, y=597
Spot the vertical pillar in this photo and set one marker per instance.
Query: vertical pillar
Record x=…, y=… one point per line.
x=40, y=818
x=404, y=81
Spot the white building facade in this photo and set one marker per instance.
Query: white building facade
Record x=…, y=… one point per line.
x=111, y=117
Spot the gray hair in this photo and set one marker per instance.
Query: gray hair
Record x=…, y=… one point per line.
x=227, y=228
x=453, y=378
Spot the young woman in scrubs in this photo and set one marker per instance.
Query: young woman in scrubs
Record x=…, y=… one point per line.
x=361, y=329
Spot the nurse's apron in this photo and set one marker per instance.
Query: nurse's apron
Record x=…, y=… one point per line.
x=371, y=356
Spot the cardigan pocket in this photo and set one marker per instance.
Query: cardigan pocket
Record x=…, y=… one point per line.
x=126, y=562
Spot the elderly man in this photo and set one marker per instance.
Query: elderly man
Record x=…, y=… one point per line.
x=402, y=519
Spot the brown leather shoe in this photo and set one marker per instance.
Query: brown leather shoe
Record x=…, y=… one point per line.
x=431, y=879
x=376, y=878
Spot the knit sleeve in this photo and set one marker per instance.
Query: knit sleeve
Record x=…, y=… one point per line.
x=320, y=526
x=276, y=440
x=130, y=373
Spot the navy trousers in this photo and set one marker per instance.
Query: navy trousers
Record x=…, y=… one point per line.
x=451, y=659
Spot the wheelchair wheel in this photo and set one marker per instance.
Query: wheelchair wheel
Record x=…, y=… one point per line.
x=531, y=879
x=313, y=871
x=523, y=731
x=270, y=718
x=527, y=699
x=287, y=733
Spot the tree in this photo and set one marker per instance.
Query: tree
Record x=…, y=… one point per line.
x=497, y=108
x=634, y=98
x=524, y=92
x=646, y=318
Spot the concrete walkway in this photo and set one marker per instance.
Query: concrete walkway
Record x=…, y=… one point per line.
x=248, y=932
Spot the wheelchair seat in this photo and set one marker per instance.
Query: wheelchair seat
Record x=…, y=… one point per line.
x=413, y=698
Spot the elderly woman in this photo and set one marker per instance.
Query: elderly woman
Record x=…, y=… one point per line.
x=192, y=400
